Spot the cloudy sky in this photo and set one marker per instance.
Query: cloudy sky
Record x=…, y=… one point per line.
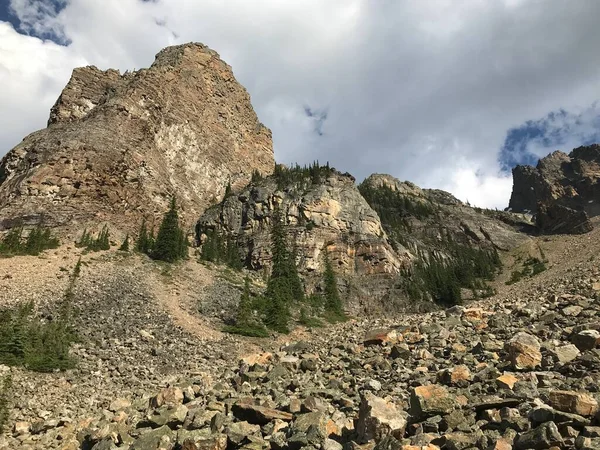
x=448, y=94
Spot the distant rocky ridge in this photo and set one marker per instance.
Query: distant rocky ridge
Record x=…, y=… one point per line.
x=562, y=190
x=118, y=146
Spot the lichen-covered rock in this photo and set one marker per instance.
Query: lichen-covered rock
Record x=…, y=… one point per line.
x=118, y=146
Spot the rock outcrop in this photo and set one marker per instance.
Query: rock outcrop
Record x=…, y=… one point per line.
x=118, y=146
x=330, y=216
x=562, y=190
x=437, y=211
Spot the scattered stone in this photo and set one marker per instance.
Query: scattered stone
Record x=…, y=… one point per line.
x=378, y=418
x=524, y=351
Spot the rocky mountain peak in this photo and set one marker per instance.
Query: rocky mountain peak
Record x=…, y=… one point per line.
x=118, y=146
x=562, y=190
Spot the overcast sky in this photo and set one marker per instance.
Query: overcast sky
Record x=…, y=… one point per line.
x=448, y=94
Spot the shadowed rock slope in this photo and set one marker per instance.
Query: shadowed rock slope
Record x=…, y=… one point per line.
x=118, y=146
x=562, y=190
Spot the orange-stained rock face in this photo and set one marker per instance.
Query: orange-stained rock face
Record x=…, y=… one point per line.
x=118, y=146
x=573, y=402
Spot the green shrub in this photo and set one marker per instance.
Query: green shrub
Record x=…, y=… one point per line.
x=221, y=250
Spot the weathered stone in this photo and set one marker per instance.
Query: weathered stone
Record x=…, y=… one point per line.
x=21, y=428
x=167, y=415
x=162, y=437
x=524, y=351
x=566, y=353
x=378, y=418
x=171, y=396
x=379, y=337
x=559, y=190
x=238, y=432
x=586, y=339
x=543, y=437
x=259, y=415
x=115, y=141
x=573, y=402
x=430, y=400
x=119, y=404
x=506, y=381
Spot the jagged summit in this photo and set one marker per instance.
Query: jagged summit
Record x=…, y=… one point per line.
x=562, y=190
x=118, y=146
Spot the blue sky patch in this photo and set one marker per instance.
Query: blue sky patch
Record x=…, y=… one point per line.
x=33, y=13
x=558, y=130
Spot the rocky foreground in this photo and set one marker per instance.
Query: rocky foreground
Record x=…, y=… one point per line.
x=523, y=373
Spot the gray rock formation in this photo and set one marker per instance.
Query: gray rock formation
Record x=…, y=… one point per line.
x=562, y=190
x=118, y=146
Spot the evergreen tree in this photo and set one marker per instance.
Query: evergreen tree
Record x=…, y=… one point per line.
x=244, y=315
x=228, y=190
x=142, y=244
x=125, y=245
x=284, y=287
x=333, y=302
x=169, y=245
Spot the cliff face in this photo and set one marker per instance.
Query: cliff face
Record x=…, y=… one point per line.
x=370, y=252
x=330, y=217
x=118, y=146
x=563, y=191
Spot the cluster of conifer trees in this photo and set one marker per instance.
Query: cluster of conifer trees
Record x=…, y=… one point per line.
x=169, y=244
x=41, y=346
x=284, y=294
x=39, y=239
x=299, y=175
x=438, y=274
x=95, y=243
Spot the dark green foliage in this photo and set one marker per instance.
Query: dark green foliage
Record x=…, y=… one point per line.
x=304, y=176
x=125, y=245
x=442, y=278
x=245, y=323
x=221, y=250
x=228, y=191
x=145, y=239
x=395, y=208
x=97, y=243
x=532, y=266
x=171, y=243
x=334, y=309
x=284, y=288
x=42, y=346
x=6, y=394
x=38, y=240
